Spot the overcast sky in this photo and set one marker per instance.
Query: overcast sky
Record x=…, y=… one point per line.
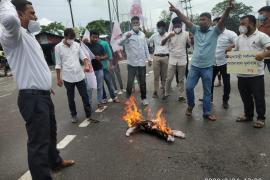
x=88, y=10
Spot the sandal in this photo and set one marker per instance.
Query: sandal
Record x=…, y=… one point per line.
x=189, y=111
x=243, y=119
x=259, y=124
x=210, y=117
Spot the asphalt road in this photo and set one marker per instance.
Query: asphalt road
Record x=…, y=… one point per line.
x=221, y=149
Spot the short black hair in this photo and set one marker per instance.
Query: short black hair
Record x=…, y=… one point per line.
x=161, y=24
x=20, y=5
x=69, y=32
x=217, y=19
x=251, y=19
x=265, y=8
x=94, y=32
x=176, y=20
x=206, y=14
x=135, y=18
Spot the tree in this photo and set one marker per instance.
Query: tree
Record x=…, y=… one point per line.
x=101, y=26
x=233, y=21
x=54, y=28
x=125, y=26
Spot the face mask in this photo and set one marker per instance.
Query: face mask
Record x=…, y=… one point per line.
x=161, y=31
x=261, y=18
x=70, y=41
x=136, y=28
x=204, y=29
x=177, y=30
x=243, y=29
x=33, y=26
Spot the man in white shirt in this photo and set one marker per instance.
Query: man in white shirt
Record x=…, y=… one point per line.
x=161, y=57
x=67, y=59
x=137, y=53
x=251, y=87
x=34, y=81
x=225, y=40
x=177, y=41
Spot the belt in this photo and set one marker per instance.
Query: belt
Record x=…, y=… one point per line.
x=35, y=92
x=161, y=55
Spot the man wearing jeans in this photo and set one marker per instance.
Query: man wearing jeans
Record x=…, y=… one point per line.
x=137, y=53
x=225, y=40
x=203, y=57
x=67, y=59
x=161, y=57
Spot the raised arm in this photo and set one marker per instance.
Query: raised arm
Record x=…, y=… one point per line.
x=221, y=23
x=183, y=18
x=10, y=21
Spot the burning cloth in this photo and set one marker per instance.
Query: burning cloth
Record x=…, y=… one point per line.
x=158, y=125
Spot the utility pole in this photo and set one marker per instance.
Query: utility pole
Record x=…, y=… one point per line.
x=71, y=13
x=187, y=6
x=110, y=15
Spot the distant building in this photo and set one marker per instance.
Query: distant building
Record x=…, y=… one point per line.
x=48, y=41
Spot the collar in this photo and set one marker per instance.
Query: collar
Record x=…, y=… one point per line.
x=209, y=29
x=135, y=33
x=253, y=34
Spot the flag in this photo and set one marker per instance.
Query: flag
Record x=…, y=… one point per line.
x=86, y=35
x=136, y=8
x=116, y=37
x=87, y=51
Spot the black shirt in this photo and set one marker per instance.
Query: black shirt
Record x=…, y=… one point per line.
x=97, y=50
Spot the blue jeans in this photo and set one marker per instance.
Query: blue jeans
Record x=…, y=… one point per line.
x=194, y=75
x=100, y=78
x=109, y=82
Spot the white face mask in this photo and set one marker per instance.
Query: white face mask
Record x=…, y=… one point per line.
x=136, y=28
x=70, y=41
x=177, y=30
x=243, y=29
x=33, y=26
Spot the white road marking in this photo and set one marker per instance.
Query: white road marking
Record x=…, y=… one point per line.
x=5, y=95
x=62, y=144
x=85, y=123
x=26, y=176
x=101, y=110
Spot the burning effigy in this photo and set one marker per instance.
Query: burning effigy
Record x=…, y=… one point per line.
x=153, y=125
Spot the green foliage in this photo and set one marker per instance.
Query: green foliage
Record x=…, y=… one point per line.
x=102, y=26
x=233, y=21
x=54, y=28
x=166, y=17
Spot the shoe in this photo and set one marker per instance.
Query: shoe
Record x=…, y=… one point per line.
x=116, y=100
x=155, y=95
x=145, y=102
x=64, y=164
x=91, y=120
x=116, y=91
x=123, y=90
x=100, y=106
x=104, y=101
x=189, y=111
x=243, y=119
x=110, y=100
x=259, y=123
x=218, y=84
x=182, y=99
x=210, y=117
x=225, y=105
x=120, y=92
x=74, y=119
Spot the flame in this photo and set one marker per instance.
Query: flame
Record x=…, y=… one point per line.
x=132, y=114
x=133, y=117
x=160, y=123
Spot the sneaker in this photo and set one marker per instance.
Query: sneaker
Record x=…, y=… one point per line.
x=182, y=99
x=123, y=90
x=116, y=100
x=120, y=92
x=74, y=119
x=155, y=95
x=145, y=102
x=225, y=104
x=91, y=120
x=110, y=100
x=104, y=101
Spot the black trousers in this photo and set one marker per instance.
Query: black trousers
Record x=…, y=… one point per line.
x=140, y=73
x=267, y=63
x=226, y=81
x=252, y=89
x=38, y=112
x=81, y=86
